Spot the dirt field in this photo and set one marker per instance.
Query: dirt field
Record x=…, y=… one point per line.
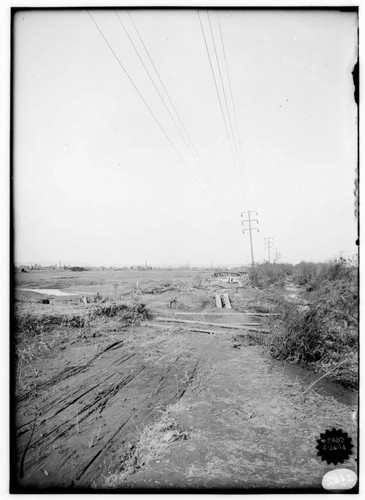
x=107, y=397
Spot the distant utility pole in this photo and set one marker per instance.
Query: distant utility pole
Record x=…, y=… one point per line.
x=250, y=228
x=269, y=244
x=277, y=256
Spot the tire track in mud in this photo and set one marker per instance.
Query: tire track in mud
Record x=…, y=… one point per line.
x=98, y=403
x=145, y=414
x=151, y=409
x=75, y=396
x=66, y=373
x=79, y=432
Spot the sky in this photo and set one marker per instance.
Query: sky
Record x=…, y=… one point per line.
x=103, y=176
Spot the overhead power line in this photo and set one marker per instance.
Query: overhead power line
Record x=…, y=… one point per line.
x=146, y=104
x=224, y=112
x=159, y=94
x=234, y=108
x=222, y=83
x=216, y=87
x=168, y=95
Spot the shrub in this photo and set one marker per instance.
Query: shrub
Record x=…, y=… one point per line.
x=128, y=313
x=264, y=275
x=305, y=273
x=314, y=275
x=326, y=332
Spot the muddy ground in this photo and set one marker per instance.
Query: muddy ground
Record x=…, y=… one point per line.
x=160, y=404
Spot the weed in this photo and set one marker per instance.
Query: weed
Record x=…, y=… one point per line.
x=204, y=302
x=323, y=335
x=153, y=442
x=172, y=303
x=164, y=287
x=95, y=437
x=31, y=328
x=199, y=381
x=199, y=283
x=305, y=272
x=313, y=276
x=115, y=286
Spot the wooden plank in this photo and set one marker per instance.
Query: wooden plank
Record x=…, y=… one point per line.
x=246, y=328
x=218, y=301
x=216, y=313
x=226, y=301
x=153, y=325
x=197, y=330
x=261, y=314
x=189, y=322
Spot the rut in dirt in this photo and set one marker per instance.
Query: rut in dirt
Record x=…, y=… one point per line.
x=70, y=428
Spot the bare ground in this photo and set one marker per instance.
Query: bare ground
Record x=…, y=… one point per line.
x=159, y=406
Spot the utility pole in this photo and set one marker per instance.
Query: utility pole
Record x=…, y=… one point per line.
x=277, y=256
x=269, y=244
x=250, y=228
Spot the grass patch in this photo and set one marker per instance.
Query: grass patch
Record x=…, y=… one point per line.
x=32, y=326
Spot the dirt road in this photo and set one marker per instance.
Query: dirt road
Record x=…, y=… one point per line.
x=159, y=406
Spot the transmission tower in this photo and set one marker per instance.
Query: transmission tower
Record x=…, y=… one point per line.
x=269, y=244
x=249, y=221
x=277, y=256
